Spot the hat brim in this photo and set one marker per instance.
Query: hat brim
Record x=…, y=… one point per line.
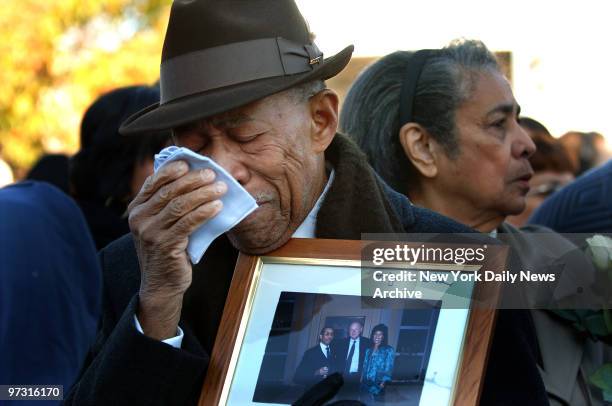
x=156, y=117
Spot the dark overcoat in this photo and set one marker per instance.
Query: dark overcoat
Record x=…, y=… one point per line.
x=312, y=360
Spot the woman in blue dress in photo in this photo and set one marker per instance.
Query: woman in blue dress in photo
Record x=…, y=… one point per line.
x=377, y=365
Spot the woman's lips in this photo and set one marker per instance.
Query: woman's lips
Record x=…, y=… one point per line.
x=523, y=181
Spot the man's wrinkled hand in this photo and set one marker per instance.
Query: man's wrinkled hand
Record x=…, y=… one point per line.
x=171, y=204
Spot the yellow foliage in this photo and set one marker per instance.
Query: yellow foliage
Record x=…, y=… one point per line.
x=57, y=57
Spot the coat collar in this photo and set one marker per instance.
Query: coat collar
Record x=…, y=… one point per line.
x=356, y=202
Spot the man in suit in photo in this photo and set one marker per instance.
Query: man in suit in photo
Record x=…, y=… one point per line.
x=351, y=352
x=318, y=361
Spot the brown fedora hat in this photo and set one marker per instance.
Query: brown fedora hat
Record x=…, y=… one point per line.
x=222, y=54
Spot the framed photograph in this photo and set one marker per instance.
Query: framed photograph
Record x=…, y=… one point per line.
x=308, y=310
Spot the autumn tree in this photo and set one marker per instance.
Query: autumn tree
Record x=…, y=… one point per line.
x=57, y=56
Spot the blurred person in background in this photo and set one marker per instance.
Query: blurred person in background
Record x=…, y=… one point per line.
x=6, y=173
x=551, y=165
x=109, y=169
x=50, y=287
x=441, y=126
x=53, y=169
x=586, y=150
x=535, y=129
x=584, y=206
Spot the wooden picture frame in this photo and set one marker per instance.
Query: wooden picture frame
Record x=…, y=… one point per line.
x=346, y=256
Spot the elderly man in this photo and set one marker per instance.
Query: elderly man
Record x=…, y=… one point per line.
x=352, y=350
x=351, y=353
x=241, y=83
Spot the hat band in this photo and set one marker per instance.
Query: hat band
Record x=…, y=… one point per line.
x=235, y=63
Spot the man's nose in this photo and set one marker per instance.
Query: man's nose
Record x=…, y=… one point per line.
x=228, y=156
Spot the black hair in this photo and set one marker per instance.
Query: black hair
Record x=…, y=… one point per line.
x=102, y=169
x=53, y=169
x=534, y=126
x=382, y=328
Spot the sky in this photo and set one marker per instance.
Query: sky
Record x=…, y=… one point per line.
x=561, y=49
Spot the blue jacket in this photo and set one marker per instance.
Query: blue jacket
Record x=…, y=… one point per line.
x=583, y=206
x=377, y=368
x=50, y=287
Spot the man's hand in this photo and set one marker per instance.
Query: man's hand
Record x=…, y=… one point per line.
x=170, y=205
x=322, y=371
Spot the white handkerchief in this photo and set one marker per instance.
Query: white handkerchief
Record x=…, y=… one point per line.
x=237, y=202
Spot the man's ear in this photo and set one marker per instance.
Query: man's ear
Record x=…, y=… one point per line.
x=419, y=148
x=324, y=119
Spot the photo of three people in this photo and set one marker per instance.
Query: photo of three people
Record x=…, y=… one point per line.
x=381, y=352
x=366, y=364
